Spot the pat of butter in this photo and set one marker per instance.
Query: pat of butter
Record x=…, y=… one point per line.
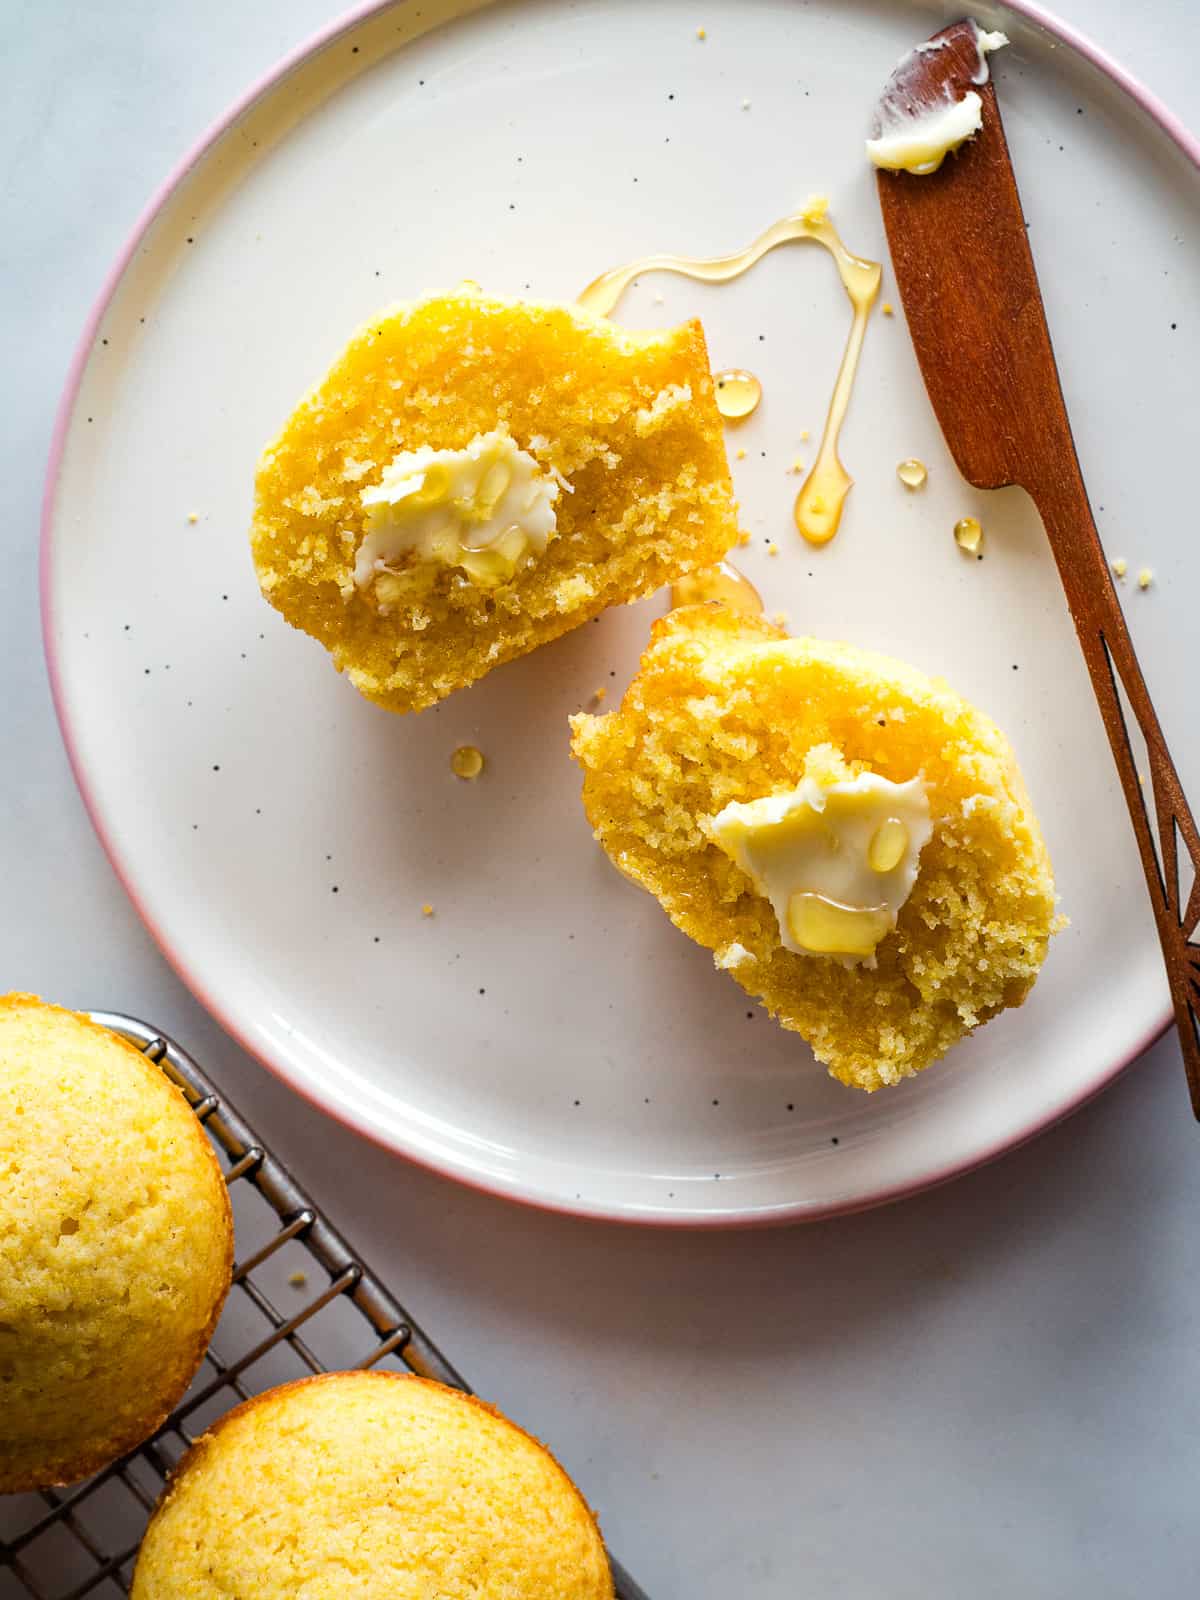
x=920, y=144
x=837, y=861
x=487, y=509
x=917, y=136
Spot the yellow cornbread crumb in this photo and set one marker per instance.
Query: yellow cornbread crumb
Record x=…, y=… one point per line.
x=625, y=421
x=298, y=1280
x=772, y=548
x=1145, y=578
x=1120, y=566
x=116, y=1245
x=724, y=707
x=887, y=308
x=427, y=909
x=702, y=33
x=370, y=1486
x=193, y=516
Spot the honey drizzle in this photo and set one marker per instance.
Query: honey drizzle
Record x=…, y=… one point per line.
x=723, y=582
x=818, y=508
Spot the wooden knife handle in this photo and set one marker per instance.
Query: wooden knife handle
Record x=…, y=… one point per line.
x=1157, y=805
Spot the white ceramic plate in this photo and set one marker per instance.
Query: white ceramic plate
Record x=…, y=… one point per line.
x=547, y=1034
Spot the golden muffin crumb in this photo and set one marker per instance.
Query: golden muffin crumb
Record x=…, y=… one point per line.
x=624, y=423
x=726, y=708
x=116, y=1245
x=370, y=1486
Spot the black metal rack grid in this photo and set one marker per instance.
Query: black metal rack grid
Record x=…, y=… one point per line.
x=65, y=1544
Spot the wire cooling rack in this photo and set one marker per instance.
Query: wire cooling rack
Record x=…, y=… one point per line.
x=62, y=1545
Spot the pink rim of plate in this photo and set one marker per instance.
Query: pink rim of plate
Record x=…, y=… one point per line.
x=1149, y=103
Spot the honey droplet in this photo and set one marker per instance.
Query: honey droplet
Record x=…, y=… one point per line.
x=912, y=473
x=466, y=762
x=826, y=928
x=888, y=845
x=738, y=393
x=968, y=535
x=818, y=508
x=717, y=583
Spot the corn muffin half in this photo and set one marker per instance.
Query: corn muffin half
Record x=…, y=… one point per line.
x=370, y=1486
x=476, y=476
x=851, y=839
x=116, y=1245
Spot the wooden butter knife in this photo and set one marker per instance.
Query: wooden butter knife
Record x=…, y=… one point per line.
x=970, y=292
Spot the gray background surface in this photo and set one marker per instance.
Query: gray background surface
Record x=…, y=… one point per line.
x=991, y=1390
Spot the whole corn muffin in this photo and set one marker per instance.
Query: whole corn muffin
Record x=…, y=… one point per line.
x=370, y=1486
x=851, y=839
x=116, y=1245
x=476, y=476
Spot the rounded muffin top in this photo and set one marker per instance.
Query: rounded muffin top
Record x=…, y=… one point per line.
x=358, y=1484
x=116, y=1244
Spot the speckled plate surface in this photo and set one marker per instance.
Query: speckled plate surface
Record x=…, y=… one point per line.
x=546, y=1033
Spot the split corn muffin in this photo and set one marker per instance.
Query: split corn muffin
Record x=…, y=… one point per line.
x=116, y=1245
x=476, y=476
x=851, y=839
x=370, y=1486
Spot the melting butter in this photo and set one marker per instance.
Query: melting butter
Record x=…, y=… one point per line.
x=921, y=143
x=837, y=861
x=487, y=509
x=818, y=508
x=917, y=135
